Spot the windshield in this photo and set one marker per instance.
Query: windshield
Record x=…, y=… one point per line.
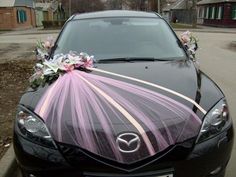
x=110, y=38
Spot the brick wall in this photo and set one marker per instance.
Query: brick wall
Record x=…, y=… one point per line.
x=9, y=20
x=6, y=18
x=226, y=21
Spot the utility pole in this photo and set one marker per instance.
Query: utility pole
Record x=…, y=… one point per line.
x=194, y=12
x=70, y=8
x=159, y=6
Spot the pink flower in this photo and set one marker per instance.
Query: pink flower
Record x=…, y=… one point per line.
x=49, y=43
x=185, y=37
x=68, y=67
x=89, y=62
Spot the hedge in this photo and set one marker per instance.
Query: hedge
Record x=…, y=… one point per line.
x=53, y=24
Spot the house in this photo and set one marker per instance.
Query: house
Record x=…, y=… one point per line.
x=220, y=13
x=43, y=12
x=166, y=10
x=17, y=14
x=179, y=11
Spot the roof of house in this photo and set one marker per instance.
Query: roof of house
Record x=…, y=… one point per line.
x=8, y=3
x=15, y=3
x=214, y=1
x=178, y=5
x=43, y=6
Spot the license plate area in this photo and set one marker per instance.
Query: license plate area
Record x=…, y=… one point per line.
x=169, y=175
x=166, y=175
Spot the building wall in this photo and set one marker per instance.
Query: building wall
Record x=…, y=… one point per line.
x=9, y=19
x=39, y=17
x=225, y=21
x=33, y=17
x=6, y=18
x=48, y=16
x=181, y=16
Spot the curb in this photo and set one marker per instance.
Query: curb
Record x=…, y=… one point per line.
x=31, y=33
x=8, y=164
x=205, y=30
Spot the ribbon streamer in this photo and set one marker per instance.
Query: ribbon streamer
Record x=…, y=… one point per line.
x=153, y=85
x=90, y=111
x=125, y=113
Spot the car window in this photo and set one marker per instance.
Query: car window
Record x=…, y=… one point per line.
x=120, y=37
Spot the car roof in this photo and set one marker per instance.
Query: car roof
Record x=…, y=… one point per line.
x=115, y=13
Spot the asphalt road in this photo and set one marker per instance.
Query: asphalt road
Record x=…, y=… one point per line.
x=219, y=62
x=216, y=60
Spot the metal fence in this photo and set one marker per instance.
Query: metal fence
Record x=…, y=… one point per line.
x=181, y=16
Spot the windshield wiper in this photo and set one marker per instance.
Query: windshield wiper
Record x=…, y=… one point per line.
x=131, y=59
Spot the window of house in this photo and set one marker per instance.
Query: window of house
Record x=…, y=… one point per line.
x=1, y=18
x=204, y=15
x=201, y=12
x=220, y=12
x=234, y=12
x=21, y=16
x=207, y=13
x=216, y=13
x=213, y=9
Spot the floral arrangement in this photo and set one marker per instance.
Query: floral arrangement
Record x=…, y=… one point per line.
x=190, y=42
x=49, y=69
x=43, y=48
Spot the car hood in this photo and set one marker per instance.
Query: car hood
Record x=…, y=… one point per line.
x=122, y=119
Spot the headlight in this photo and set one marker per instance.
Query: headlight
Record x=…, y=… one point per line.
x=31, y=127
x=216, y=121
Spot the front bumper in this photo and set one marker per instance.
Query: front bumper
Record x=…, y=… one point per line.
x=207, y=159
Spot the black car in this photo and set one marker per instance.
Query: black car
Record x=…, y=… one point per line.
x=144, y=109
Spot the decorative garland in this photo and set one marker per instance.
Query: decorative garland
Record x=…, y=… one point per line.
x=190, y=42
x=43, y=48
x=48, y=70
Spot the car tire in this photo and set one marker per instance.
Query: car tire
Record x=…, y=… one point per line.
x=26, y=174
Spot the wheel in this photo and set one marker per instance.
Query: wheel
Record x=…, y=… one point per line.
x=26, y=174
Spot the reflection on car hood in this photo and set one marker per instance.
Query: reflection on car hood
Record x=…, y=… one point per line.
x=125, y=122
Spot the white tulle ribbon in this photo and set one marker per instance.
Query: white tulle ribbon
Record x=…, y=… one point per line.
x=153, y=85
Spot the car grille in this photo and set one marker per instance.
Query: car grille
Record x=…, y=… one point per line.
x=160, y=173
x=80, y=158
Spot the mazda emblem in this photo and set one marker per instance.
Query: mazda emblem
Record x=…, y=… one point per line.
x=128, y=142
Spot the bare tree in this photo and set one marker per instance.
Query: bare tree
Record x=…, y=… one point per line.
x=137, y=4
x=81, y=6
x=114, y=4
x=145, y=5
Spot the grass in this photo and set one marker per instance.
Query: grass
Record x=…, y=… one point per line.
x=182, y=26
